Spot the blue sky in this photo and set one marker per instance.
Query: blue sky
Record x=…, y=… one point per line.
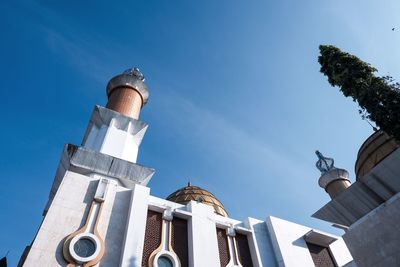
x=237, y=104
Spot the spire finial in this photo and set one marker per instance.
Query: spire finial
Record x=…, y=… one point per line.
x=324, y=164
x=135, y=72
x=189, y=183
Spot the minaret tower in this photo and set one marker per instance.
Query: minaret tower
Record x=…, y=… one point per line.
x=333, y=180
x=89, y=215
x=116, y=130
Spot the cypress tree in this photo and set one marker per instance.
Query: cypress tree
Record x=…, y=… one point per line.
x=378, y=97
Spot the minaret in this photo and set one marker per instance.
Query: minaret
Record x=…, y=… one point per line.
x=333, y=180
x=116, y=130
x=99, y=194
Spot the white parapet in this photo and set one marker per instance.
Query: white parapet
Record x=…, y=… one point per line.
x=290, y=246
x=114, y=134
x=288, y=243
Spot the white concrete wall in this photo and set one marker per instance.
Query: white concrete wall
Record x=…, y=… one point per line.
x=132, y=250
x=112, y=223
x=275, y=242
x=114, y=134
x=374, y=240
x=114, y=142
x=260, y=246
x=340, y=252
x=291, y=248
x=203, y=244
x=70, y=205
x=67, y=213
x=288, y=243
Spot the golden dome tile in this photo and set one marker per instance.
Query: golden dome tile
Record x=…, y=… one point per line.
x=195, y=193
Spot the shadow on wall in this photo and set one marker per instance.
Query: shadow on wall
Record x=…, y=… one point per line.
x=115, y=235
x=300, y=243
x=59, y=254
x=133, y=262
x=268, y=257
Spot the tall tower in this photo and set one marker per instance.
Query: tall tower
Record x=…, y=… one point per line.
x=88, y=210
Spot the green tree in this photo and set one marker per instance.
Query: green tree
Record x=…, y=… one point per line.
x=378, y=97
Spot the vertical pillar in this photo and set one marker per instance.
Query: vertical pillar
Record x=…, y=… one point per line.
x=203, y=244
x=260, y=245
x=135, y=227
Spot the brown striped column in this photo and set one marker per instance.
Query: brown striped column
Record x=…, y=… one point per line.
x=127, y=93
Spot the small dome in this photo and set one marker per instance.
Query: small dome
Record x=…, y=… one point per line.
x=190, y=192
x=376, y=148
x=131, y=78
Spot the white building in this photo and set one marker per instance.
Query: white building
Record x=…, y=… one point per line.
x=100, y=212
x=369, y=209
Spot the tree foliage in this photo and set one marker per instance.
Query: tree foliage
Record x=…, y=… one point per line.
x=378, y=97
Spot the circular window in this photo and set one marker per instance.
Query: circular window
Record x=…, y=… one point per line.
x=85, y=247
x=164, y=261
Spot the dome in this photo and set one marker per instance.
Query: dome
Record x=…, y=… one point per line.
x=190, y=192
x=376, y=148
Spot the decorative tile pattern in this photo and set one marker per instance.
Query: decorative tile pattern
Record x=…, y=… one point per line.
x=243, y=250
x=179, y=240
x=152, y=238
x=188, y=193
x=321, y=256
x=223, y=247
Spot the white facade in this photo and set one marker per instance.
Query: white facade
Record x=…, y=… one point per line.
x=100, y=191
x=274, y=242
x=289, y=243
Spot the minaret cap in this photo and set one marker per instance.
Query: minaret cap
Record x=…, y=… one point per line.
x=131, y=78
x=333, y=180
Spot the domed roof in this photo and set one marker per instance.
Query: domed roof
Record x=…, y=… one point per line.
x=375, y=149
x=190, y=192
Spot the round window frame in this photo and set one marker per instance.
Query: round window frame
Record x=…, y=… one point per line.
x=171, y=256
x=92, y=238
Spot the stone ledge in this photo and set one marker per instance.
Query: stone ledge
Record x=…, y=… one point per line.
x=87, y=162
